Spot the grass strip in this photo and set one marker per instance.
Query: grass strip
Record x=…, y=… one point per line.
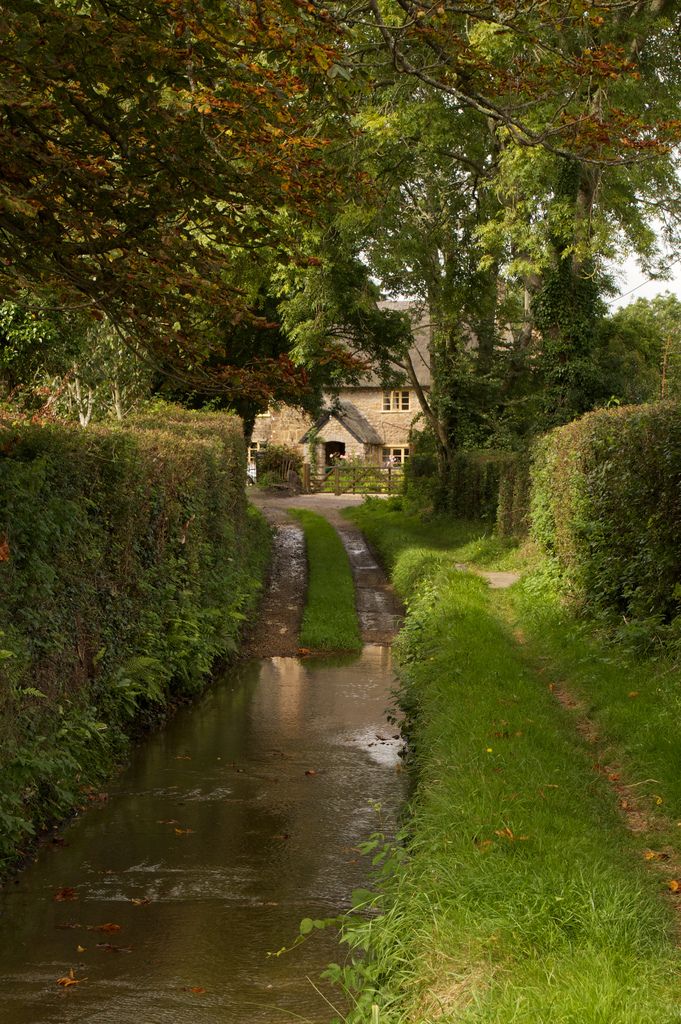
x=330, y=618
x=521, y=897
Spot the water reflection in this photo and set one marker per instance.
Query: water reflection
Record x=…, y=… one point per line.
x=236, y=821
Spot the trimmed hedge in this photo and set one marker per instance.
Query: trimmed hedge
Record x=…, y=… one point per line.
x=607, y=508
x=491, y=486
x=128, y=560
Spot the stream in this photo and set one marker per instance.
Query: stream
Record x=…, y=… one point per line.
x=238, y=819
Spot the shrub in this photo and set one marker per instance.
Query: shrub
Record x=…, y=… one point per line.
x=607, y=509
x=490, y=486
x=127, y=563
x=278, y=459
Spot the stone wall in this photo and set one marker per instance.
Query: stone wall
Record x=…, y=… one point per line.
x=284, y=425
x=393, y=427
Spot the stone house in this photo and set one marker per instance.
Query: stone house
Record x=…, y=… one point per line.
x=365, y=422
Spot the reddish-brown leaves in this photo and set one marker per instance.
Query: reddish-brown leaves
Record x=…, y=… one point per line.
x=70, y=979
x=65, y=895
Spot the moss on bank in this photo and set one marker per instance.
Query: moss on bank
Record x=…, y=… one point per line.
x=129, y=564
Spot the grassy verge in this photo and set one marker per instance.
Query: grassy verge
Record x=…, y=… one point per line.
x=633, y=703
x=519, y=896
x=391, y=533
x=330, y=619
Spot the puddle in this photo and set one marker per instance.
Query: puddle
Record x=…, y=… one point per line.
x=235, y=822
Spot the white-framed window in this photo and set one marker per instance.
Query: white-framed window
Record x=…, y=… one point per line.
x=255, y=447
x=396, y=401
x=395, y=455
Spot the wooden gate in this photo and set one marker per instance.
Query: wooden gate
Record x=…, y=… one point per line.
x=344, y=479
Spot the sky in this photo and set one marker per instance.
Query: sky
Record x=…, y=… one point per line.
x=634, y=284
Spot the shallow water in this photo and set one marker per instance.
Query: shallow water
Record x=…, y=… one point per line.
x=236, y=821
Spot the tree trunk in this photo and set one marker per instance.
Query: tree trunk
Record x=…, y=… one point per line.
x=117, y=400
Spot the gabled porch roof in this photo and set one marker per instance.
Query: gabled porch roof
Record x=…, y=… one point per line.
x=349, y=417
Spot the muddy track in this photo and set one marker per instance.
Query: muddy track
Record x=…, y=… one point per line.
x=380, y=613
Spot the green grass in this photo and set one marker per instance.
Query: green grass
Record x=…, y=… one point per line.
x=330, y=619
x=391, y=531
x=634, y=702
x=478, y=924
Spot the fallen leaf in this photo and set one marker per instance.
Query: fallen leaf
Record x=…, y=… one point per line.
x=80, y=949
x=655, y=855
x=197, y=990
x=675, y=885
x=659, y=800
x=140, y=902
x=183, y=831
x=304, y=650
x=632, y=694
x=107, y=928
x=614, y=777
x=65, y=894
x=310, y=771
x=506, y=833
x=69, y=979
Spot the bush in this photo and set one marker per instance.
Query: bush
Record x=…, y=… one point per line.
x=279, y=459
x=127, y=562
x=607, y=509
x=489, y=486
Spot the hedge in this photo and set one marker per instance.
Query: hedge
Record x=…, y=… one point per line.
x=606, y=508
x=491, y=486
x=128, y=560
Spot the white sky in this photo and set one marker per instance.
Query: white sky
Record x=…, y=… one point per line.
x=631, y=279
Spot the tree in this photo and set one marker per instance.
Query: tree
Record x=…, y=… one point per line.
x=551, y=150
x=67, y=365
x=145, y=147
x=641, y=350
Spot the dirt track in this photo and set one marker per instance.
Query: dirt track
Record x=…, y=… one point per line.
x=282, y=607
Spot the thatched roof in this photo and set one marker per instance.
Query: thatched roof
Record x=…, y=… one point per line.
x=419, y=352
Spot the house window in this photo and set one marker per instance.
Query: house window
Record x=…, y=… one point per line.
x=395, y=456
x=255, y=447
x=396, y=401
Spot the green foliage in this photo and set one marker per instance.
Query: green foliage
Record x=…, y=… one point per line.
x=330, y=619
x=131, y=563
x=277, y=458
x=640, y=350
x=606, y=509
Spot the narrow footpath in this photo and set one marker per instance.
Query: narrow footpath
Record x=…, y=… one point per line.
x=378, y=607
